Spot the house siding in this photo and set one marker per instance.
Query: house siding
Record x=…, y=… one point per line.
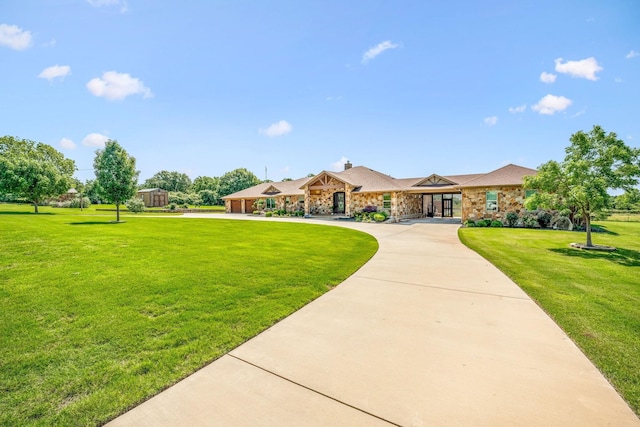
x=510, y=199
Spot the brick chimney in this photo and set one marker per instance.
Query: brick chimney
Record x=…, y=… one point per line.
x=348, y=165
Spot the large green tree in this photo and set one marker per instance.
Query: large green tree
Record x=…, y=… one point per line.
x=207, y=188
x=33, y=170
x=595, y=163
x=170, y=181
x=116, y=175
x=236, y=180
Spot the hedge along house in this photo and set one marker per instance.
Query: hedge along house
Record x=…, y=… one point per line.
x=473, y=196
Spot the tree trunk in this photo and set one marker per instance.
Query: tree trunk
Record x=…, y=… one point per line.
x=117, y=212
x=35, y=206
x=587, y=219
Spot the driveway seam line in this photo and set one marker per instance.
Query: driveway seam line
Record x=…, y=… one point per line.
x=314, y=391
x=442, y=288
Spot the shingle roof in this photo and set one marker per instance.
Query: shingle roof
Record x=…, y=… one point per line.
x=365, y=180
x=506, y=175
x=285, y=188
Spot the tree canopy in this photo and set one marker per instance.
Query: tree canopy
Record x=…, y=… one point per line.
x=116, y=175
x=595, y=162
x=170, y=181
x=236, y=180
x=33, y=170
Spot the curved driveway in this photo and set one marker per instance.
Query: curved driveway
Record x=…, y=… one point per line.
x=427, y=333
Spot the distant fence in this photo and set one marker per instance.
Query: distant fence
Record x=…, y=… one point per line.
x=622, y=215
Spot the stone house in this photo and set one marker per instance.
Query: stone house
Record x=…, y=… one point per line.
x=154, y=197
x=472, y=196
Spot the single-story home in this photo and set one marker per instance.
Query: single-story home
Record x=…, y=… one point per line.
x=472, y=196
x=154, y=197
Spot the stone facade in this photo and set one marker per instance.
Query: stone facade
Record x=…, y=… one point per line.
x=474, y=201
x=409, y=205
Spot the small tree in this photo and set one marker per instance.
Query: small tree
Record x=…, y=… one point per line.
x=595, y=163
x=33, y=170
x=116, y=175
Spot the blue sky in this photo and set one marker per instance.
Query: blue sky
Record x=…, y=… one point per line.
x=408, y=88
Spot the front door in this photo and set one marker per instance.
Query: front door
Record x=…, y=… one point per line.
x=447, y=208
x=338, y=202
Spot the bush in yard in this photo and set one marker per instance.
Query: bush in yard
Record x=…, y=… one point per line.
x=544, y=219
x=512, y=219
x=469, y=223
x=256, y=212
x=135, y=205
x=530, y=220
x=378, y=217
x=172, y=206
x=268, y=214
x=496, y=224
x=563, y=223
x=78, y=202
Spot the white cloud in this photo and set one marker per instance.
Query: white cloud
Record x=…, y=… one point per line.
x=585, y=68
x=117, y=86
x=50, y=43
x=67, y=143
x=547, y=77
x=95, y=140
x=491, y=121
x=277, y=129
x=339, y=165
x=377, y=50
x=14, y=37
x=55, y=71
x=579, y=113
x=518, y=109
x=632, y=54
x=617, y=80
x=124, y=7
x=551, y=104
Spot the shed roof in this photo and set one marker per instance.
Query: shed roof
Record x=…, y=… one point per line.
x=151, y=190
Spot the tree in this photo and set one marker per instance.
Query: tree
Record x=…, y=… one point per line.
x=33, y=170
x=170, y=181
x=630, y=200
x=236, y=180
x=595, y=162
x=116, y=175
x=205, y=183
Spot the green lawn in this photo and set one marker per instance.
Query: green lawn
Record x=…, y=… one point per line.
x=98, y=316
x=593, y=296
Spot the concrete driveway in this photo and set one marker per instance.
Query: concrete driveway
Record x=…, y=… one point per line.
x=427, y=333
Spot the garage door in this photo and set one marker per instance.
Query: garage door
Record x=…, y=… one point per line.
x=248, y=205
x=236, y=206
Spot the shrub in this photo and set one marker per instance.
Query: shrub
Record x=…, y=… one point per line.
x=256, y=212
x=563, y=223
x=75, y=203
x=299, y=213
x=530, y=220
x=268, y=214
x=378, y=217
x=565, y=212
x=496, y=224
x=469, y=223
x=512, y=219
x=544, y=219
x=135, y=205
x=172, y=206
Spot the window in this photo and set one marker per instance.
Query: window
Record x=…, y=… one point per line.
x=271, y=203
x=529, y=193
x=492, y=201
x=386, y=200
